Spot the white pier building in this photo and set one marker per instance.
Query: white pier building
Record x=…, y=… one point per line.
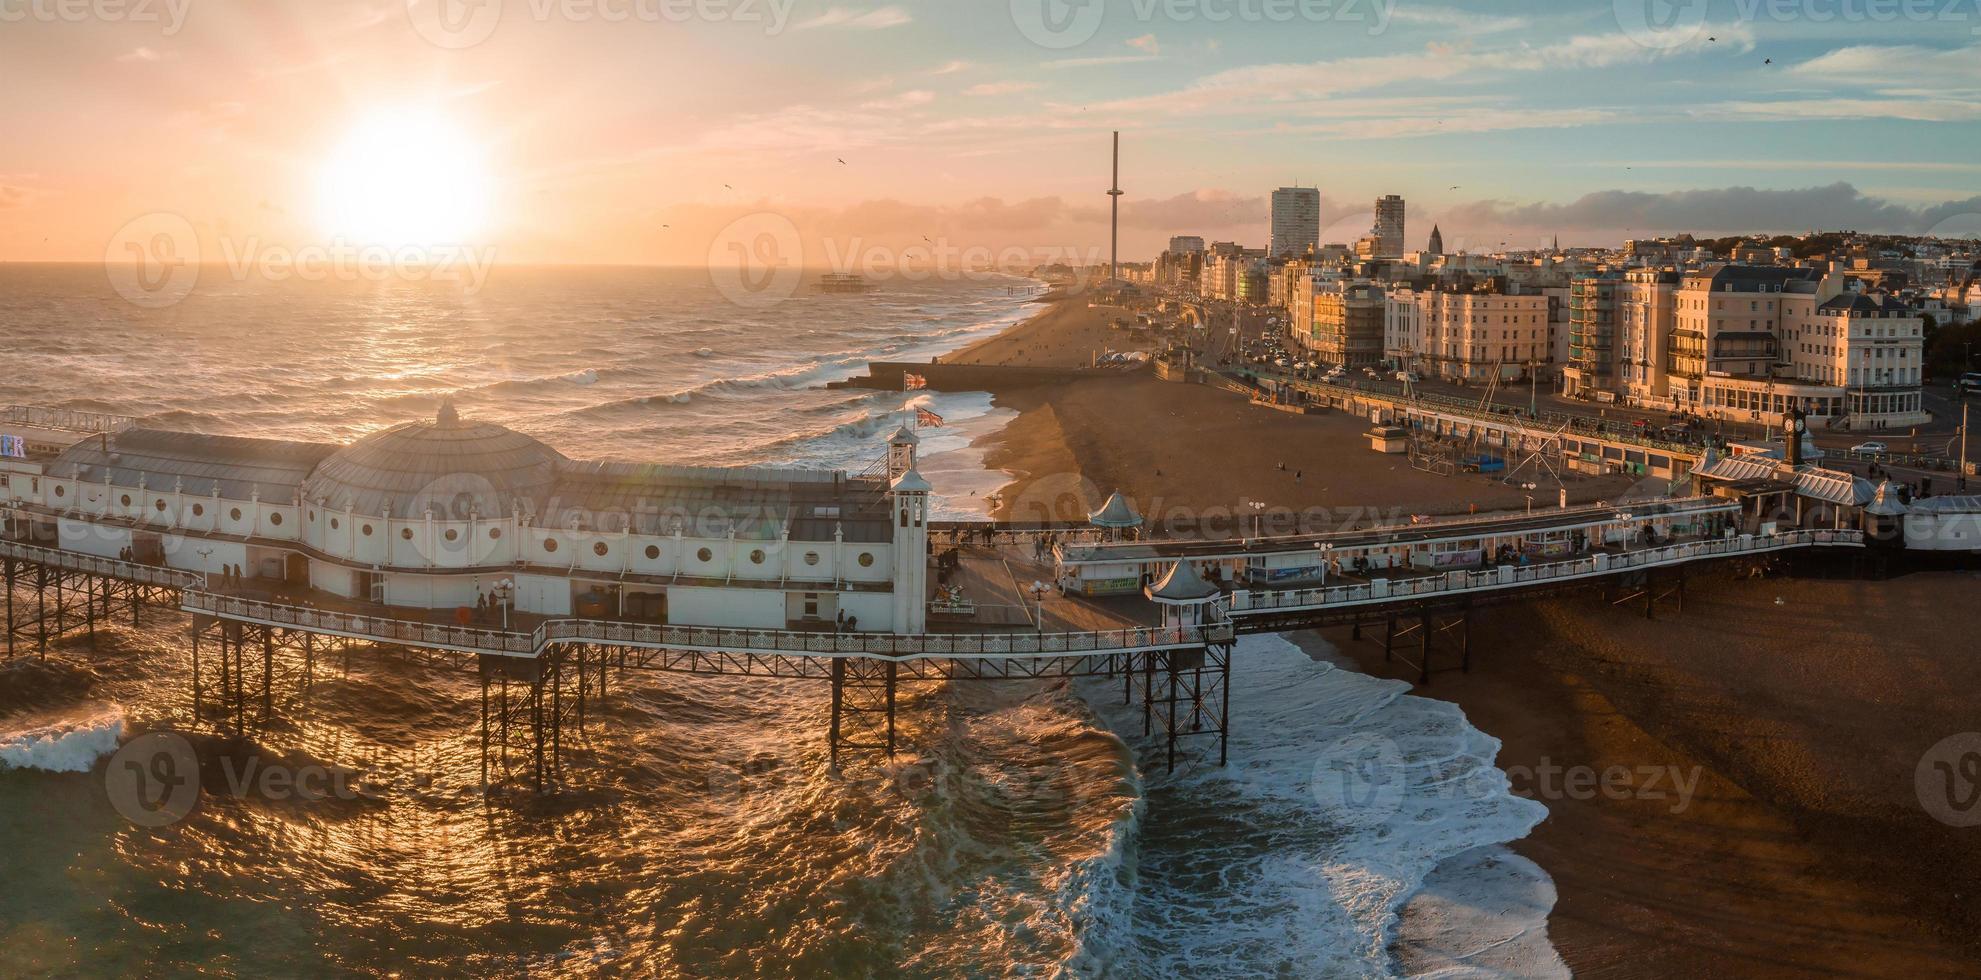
x=449, y=513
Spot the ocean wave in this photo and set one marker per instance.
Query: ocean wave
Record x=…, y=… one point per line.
x=1310, y=880
x=63, y=744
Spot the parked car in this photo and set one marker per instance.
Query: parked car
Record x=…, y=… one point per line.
x=1871, y=448
x=1408, y=376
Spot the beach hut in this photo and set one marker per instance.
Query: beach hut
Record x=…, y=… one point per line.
x=1116, y=517
x=1183, y=595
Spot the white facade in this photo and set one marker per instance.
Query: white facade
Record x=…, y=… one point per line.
x=1296, y=221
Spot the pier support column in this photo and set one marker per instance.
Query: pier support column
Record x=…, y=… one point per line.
x=1389, y=640
x=1424, y=646
x=864, y=706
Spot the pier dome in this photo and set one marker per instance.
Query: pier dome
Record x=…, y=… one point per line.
x=453, y=467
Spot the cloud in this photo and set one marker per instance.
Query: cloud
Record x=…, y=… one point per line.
x=1270, y=87
x=905, y=100
x=1000, y=88
x=1146, y=42
x=13, y=197
x=1729, y=210
x=951, y=68
x=138, y=54
x=1120, y=59
x=874, y=19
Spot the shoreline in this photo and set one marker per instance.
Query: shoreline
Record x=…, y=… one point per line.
x=1778, y=840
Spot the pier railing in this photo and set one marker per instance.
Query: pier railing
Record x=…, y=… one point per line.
x=1382, y=591
x=889, y=646
x=130, y=571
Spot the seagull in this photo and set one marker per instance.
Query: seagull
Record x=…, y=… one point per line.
x=1767, y=61
x=1713, y=39
x=841, y=162
x=1454, y=187
x=726, y=187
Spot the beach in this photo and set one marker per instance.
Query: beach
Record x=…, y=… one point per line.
x=1193, y=458
x=1804, y=848
x=1792, y=711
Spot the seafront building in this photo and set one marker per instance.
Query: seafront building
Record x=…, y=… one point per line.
x=1746, y=342
x=1347, y=323
x=1468, y=332
x=451, y=513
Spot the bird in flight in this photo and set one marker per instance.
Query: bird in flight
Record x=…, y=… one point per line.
x=1767, y=61
x=841, y=161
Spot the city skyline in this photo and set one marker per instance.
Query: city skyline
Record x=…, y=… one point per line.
x=1504, y=123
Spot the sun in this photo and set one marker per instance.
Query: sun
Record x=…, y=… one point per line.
x=404, y=177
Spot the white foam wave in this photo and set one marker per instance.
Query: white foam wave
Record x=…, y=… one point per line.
x=71, y=744
x=1260, y=867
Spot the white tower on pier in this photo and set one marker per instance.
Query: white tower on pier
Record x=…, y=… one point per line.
x=901, y=452
x=909, y=496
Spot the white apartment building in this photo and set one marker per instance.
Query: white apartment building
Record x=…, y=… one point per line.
x=1750, y=343
x=1470, y=335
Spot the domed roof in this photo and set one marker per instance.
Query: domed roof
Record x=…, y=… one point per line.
x=452, y=467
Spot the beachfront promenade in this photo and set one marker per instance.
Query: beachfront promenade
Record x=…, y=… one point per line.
x=538, y=674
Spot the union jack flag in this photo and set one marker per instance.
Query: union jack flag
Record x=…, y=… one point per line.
x=913, y=382
x=925, y=419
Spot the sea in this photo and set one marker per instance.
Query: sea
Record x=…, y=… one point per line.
x=1026, y=829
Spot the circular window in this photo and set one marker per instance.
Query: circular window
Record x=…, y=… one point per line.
x=549, y=545
x=61, y=491
x=866, y=559
x=705, y=555
x=275, y=519
x=333, y=524
x=452, y=535
x=160, y=505
x=199, y=510
x=653, y=552
x=757, y=557
x=364, y=529
x=125, y=499
x=495, y=534
x=599, y=549
x=234, y=515
x=406, y=534
x=811, y=557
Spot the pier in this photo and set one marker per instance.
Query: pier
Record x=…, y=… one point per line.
x=269, y=599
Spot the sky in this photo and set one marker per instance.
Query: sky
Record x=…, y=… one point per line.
x=650, y=131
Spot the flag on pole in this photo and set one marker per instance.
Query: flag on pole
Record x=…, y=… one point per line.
x=913, y=382
x=925, y=419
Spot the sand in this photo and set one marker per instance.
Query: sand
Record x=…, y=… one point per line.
x=1066, y=333
x=1191, y=457
x=1802, y=848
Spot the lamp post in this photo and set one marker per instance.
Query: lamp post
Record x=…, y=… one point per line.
x=1038, y=592
x=1258, y=509
x=504, y=591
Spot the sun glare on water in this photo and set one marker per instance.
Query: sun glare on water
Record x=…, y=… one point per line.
x=404, y=178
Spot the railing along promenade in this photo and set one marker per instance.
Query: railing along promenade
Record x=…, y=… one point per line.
x=1499, y=415
x=129, y=571
x=1509, y=577
x=882, y=646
